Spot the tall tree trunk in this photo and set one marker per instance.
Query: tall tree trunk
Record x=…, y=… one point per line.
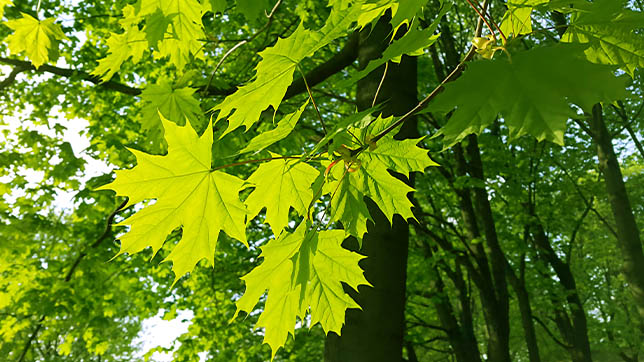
x=518, y=284
x=459, y=333
x=628, y=234
x=496, y=306
x=375, y=333
x=477, y=212
x=574, y=330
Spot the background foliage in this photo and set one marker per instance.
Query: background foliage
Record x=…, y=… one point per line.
x=519, y=232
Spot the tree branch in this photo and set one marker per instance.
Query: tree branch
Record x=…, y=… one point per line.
x=550, y=333
x=99, y=240
x=31, y=339
x=12, y=76
x=347, y=55
x=71, y=73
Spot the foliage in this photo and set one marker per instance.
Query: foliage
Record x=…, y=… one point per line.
x=291, y=186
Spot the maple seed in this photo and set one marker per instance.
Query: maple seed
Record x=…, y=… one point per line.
x=329, y=167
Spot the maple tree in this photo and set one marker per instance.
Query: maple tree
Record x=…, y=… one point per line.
x=243, y=143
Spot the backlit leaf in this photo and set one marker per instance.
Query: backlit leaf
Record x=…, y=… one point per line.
x=274, y=73
x=302, y=272
x=279, y=185
x=188, y=194
x=533, y=93
x=38, y=39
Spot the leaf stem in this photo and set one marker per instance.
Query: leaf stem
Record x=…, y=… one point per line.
x=246, y=162
x=453, y=75
x=326, y=209
x=382, y=80
x=306, y=84
x=481, y=16
x=242, y=42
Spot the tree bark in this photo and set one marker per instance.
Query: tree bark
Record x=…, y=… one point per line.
x=375, y=333
x=518, y=284
x=575, y=332
x=628, y=234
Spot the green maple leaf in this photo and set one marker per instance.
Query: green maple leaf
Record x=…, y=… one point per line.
x=533, y=93
x=216, y=6
x=38, y=39
x=188, y=194
x=279, y=185
x=367, y=176
x=412, y=43
x=130, y=44
x=302, y=272
x=403, y=156
x=283, y=129
x=517, y=19
x=374, y=9
x=182, y=38
x=156, y=25
x=612, y=33
x=339, y=130
x=176, y=104
x=274, y=73
x=405, y=13
x=253, y=10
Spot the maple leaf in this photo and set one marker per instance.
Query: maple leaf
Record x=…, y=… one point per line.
x=38, y=39
x=156, y=25
x=253, y=10
x=279, y=185
x=302, y=271
x=412, y=44
x=611, y=31
x=130, y=44
x=185, y=17
x=533, y=93
x=403, y=12
x=367, y=176
x=188, y=194
x=283, y=129
x=176, y=104
x=216, y=6
x=517, y=19
x=274, y=73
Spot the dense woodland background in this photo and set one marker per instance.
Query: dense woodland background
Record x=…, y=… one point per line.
x=522, y=250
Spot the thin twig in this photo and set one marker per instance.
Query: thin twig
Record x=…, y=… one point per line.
x=483, y=18
x=382, y=80
x=505, y=40
x=31, y=338
x=99, y=240
x=306, y=84
x=242, y=42
x=550, y=333
x=12, y=76
x=583, y=198
x=453, y=75
x=261, y=160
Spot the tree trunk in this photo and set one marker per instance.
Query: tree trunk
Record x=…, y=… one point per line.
x=375, y=333
x=575, y=332
x=518, y=284
x=628, y=234
x=499, y=328
x=459, y=333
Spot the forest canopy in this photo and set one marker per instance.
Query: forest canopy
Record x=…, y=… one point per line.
x=341, y=180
